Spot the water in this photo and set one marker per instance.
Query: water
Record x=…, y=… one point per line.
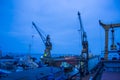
x=92, y=63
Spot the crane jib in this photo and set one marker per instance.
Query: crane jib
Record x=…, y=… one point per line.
x=40, y=34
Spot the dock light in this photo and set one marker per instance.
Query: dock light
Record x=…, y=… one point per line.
x=41, y=57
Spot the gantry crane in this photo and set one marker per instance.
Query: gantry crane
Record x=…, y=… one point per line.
x=46, y=41
x=84, y=52
x=106, y=28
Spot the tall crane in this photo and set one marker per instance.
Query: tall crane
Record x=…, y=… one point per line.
x=106, y=28
x=46, y=41
x=84, y=52
x=84, y=41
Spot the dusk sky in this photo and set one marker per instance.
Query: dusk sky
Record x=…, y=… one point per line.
x=59, y=19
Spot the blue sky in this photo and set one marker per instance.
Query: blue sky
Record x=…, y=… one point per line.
x=59, y=19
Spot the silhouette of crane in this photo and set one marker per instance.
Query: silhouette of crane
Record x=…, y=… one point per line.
x=46, y=41
x=84, y=52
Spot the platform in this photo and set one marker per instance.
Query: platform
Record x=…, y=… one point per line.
x=110, y=76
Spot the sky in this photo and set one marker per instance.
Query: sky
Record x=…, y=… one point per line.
x=59, y=19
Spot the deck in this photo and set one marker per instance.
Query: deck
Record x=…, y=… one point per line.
x=110, y=76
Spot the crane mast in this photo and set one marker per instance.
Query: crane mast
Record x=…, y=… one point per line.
x=46, y=41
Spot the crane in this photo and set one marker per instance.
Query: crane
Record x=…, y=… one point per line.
x=84, y=52
x=106, y=28
x=46, y=41
x=84, y=41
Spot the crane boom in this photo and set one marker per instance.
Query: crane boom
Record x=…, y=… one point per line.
x=81, y=27
x=42, y=37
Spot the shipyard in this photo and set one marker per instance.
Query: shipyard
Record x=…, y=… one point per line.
x=60, y=40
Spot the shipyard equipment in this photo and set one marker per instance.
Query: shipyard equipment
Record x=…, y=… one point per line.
x=84, y=52
x=113, y=46
x=46, y=41
x=106, y=28
x=118, y=45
